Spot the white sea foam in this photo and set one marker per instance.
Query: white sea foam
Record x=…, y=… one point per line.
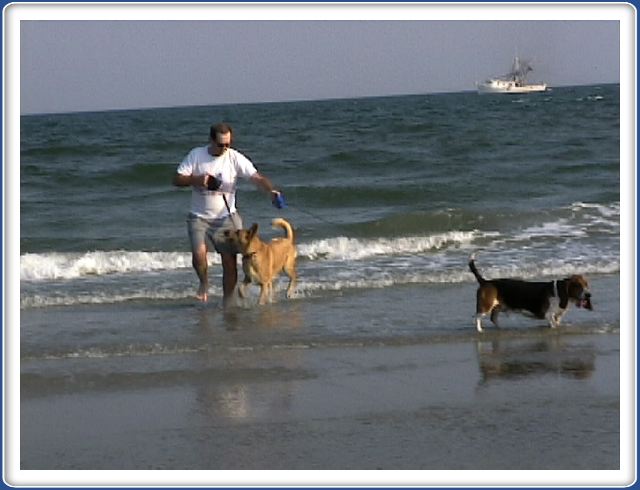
x=312, y=283
x=69, y=299
x=64, y=266
x=560, y=228
x=122, y=351
x=343, y=248
x=609, y=211
x=586, y=217
x=55, y=266
x=556, y=246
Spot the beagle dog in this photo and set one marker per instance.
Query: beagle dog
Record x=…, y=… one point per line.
x=548, y=300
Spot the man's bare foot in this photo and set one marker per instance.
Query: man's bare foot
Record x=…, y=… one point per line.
x=202, y=295
x=229, y=301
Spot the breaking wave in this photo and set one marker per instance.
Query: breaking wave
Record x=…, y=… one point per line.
x=574, y=239
x=66, y=266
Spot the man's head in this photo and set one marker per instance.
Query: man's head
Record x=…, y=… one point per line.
x=221, y=135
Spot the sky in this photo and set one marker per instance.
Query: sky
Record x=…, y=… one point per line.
x=92, y=65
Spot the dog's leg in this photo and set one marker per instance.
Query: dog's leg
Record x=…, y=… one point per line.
x=290, y=270
x=494, y=315
x=479, y=321
x=292, y=287
x=266, y=293
x=264, y=290
x=242, y=289
x=479, y=313
x=486, y=301
x=270, y=294
x=556, y=317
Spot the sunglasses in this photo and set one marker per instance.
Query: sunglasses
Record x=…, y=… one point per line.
x=223, y=145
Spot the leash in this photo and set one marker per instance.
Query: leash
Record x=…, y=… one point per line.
x=315, y=216
x=226, y=203
x=280, y=204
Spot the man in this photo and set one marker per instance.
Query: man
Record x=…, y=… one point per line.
x=212, y=171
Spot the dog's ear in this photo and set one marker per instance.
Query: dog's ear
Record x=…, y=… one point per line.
x=576, y=286
x=253, y=230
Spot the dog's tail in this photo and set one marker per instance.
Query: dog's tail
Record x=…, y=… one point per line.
x=472, y=266
x=279, y=222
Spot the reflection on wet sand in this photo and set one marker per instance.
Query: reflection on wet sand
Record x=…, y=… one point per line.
x=507, y=359
x=255, y=379
x=272, y=317
x=250, y=392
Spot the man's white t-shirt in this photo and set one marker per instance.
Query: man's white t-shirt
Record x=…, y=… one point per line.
x=226, y=168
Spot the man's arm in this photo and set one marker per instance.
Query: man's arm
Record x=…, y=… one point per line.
x=263, y=183
x=180, y=180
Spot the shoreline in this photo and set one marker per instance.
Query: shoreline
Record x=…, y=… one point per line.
x=367, y=380
x=428, y=407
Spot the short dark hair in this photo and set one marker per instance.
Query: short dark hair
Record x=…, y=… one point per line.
x=220, y=128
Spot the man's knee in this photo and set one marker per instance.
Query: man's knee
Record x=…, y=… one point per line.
x=199, y=255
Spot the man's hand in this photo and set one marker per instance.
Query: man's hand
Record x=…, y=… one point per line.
x=277, y=199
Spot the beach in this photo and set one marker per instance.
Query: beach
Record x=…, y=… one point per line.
x=518, y=398
x=423, y=407
x=375, y=364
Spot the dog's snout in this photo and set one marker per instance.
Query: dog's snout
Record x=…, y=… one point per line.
x=585, y=302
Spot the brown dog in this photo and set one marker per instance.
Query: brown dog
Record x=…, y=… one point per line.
x=536, y=298
x=262, y=261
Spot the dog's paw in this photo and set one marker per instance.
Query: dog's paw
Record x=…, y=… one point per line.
x=478, y=324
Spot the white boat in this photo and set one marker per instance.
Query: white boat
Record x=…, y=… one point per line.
x=515, y=82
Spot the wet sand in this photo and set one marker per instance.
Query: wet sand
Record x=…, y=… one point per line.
x=533, y=402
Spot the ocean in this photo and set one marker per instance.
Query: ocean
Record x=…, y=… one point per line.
x=389, y=196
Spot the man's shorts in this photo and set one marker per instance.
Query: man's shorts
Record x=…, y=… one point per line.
x=212, y=231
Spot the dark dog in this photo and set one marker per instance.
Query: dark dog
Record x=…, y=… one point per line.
x=548, y=300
